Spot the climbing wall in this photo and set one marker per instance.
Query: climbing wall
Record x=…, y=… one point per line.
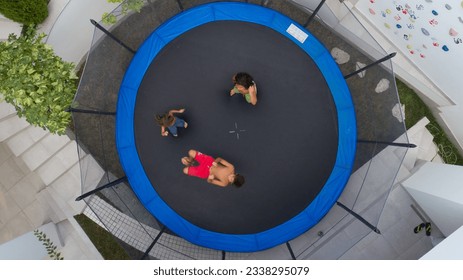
x=428, y=32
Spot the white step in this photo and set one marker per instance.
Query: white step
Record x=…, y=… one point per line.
x=412, y=153
x=427, y=147
x=58, y=164
x=5, y=153
x=54, y=208
x=415, y=135
x=438, y=159
x=6, y=109
x=24, y=191
x=402, y=174
x=12, y=170
x=25, y=139
x=10, y=126
x=421, y=124
x=43, y=150
x=68, y=187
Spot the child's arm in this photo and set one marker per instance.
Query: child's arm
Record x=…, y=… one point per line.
x=211, y=179
x=223, y=162
x=253, y=94
x=164, y=132
x=233, y=91
x=171, y=112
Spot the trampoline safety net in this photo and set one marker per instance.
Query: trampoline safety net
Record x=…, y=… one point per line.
x=114, y=206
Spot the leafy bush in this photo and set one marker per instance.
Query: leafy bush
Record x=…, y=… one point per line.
x=127, y=5
x=25, y=11
x=38, y=83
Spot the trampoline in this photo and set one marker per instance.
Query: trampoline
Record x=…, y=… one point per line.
x=295, y=147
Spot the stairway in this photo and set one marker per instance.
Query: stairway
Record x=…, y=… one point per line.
x=39, y=181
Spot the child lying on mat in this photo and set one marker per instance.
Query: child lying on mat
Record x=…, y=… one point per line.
x=217, y=171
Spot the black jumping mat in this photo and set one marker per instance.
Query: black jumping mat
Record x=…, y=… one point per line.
x=285, y=146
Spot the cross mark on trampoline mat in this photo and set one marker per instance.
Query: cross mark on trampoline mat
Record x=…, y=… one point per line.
x=237, y=131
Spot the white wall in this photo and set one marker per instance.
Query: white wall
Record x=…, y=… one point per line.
x=69, y=30
x=427, y=32
x=448, y=249
x=419, y=30
x=439, y=184
x=7, y=27
x=28, y=246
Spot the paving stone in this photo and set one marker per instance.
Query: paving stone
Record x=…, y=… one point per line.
x=10, y=126
x=8, y=208
x=11, y=172
x=6, y=109
x=382, y=85
x=58, y=164
x=340, y=56
x=24, y=192
x=358, y=66
x=24, y=139
x=43, y=150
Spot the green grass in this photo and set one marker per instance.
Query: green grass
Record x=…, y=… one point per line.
x=415, y=110
x=103, y=240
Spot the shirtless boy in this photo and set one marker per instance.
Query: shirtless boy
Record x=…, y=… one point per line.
x=217, y=171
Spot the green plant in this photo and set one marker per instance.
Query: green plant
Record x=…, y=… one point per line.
x=51, y=248
x=38, y=83
x=25, y=11
x=127, y=5
x=415, y=110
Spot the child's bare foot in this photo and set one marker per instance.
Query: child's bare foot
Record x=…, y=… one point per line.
x=187, y=161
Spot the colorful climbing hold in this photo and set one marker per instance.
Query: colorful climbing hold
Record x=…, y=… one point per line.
x=453, y=32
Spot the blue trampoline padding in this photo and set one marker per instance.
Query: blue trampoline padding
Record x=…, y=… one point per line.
x=141, y=185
